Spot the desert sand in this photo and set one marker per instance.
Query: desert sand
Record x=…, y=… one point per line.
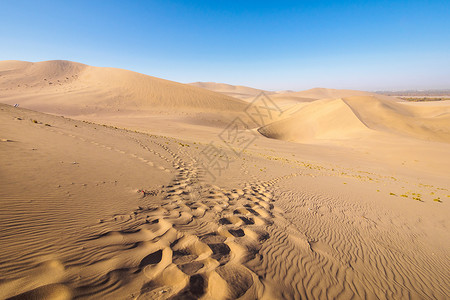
x=236, y=91
x=119, y=185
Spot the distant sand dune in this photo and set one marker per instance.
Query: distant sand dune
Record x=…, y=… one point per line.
x=323, y=93
x=293, y=98
x=359, y=116
x=324, y=119
x=236, y=91
x=284, y=99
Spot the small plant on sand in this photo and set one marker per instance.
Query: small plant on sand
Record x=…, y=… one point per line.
x=46, y=124
x=406, y=196
x=34, y=121
x=392, y=194
x=438, y=199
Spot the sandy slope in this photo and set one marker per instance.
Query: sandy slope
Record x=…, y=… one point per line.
x=356, y=207
x=236, y=91
x=292, y=98
x=270, y=226
x=72, y=88
x=322, y=119
x=284, y=99
x=322, y=93
x=361, y=117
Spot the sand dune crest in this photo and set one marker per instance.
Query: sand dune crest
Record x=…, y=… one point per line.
x=73, y=88
x=357, y=117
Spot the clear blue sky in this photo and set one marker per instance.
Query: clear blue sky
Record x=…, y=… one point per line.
x=368, y=45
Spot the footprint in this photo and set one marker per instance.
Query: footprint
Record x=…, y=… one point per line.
x=193, y=245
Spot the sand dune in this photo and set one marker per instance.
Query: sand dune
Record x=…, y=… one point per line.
x=322, y=119
x=236, y=91
x=388, y=116
x=292, y=98
x=321, y=93
x=357, y=117
x=70, y=88
x=247, y=93
x=287, y=100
